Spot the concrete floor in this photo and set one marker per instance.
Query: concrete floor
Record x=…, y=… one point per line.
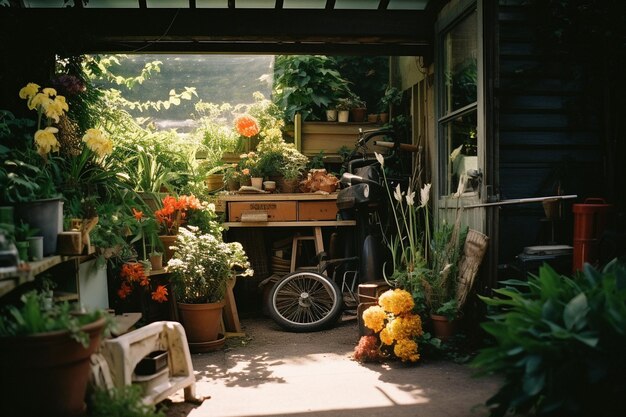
x=275, y=373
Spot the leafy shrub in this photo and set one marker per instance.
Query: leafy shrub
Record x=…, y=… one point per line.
x=121, y=402
x=559, y=343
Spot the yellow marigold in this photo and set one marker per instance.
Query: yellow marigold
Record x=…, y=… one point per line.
x=385, y=336
x=46, y=141
x=29, y=90
x=97, y=142
x=406, y=350
x=405, y=326
x=396, y=301
x=374, y=318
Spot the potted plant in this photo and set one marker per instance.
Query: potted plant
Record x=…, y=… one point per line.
x=391, y=97
x=231, y=177
x=200, y=269
x=358, y=109
x=46, y=348
x=343, y=110
x=171, y=216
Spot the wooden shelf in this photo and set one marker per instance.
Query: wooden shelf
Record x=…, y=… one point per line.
x=312, y=223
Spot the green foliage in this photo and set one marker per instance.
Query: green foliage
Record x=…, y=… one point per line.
x=125, y=401
x=38, y=314
x=559, y=343
x=307, y=84
x=367, y=75
x=391, y=97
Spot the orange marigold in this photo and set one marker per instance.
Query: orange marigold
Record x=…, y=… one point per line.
x=374, y=318
x=396, y=301
x=246, y=126
x=124, y=290
x=406, y=350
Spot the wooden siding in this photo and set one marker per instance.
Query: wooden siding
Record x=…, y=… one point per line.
x=543, y=121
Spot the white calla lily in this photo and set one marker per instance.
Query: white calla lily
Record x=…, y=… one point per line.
x=424, y=195
x=397, y=194
x=410, y=198
x=380, y=159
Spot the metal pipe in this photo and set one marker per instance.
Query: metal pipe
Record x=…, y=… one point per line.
x=523, y=201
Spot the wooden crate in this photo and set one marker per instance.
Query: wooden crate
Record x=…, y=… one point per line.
x=275, y=210
x=317, y=210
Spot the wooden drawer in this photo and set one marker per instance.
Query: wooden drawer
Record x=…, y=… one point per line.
x=317, y=210
x=277, y=211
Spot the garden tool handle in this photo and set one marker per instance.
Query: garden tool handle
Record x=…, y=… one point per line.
x=403, y=146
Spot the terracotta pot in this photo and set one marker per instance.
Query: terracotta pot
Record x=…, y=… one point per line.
x=46, y=374
x=358, y=114
x=288, y=186
x=257, y=182
x=443, y=328
x=383, y=117
x=167, y=241
x=201, y=321
x=156, y=260
x=214, y=182
x=232, y=184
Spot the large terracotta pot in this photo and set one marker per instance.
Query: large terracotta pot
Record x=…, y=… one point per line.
x=288, y=186
x=202, y=325
x=167, y=241
x=46, y=374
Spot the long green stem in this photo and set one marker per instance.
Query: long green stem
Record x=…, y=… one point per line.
x=395, y=216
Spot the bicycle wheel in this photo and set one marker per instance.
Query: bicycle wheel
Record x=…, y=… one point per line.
x=305, y=301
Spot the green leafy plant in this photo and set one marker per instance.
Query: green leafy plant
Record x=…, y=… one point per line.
x=392, y=97
x=125, y=401
x=559, y=343
x=37, y=314
x=307, y=84
x=202, y=265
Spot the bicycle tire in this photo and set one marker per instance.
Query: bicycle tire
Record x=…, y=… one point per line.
x=305, y=301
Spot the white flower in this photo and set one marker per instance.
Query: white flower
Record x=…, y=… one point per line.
x=410, y=198
x=380, y=159
x=424, y=195
x=397, y=194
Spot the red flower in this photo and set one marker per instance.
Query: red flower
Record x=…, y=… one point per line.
x=138, y=214
x=160, y=294
x=246, y=126
x=124, y=290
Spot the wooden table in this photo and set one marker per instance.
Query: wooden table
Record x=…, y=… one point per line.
x=314, y=210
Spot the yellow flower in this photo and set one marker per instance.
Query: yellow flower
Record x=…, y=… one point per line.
x=385, y=336
x=46, y=141
x=97, y=142
x=39, y=99
x=55, y=108
x=29, y=91
x=406, y=350
x=396, y=301
x=51, y=92
x=374, y=318
x=405, y=326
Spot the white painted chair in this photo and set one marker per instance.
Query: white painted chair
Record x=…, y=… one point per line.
x=123, y=353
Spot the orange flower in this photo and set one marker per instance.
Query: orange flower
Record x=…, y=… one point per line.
x=124, y=290
x=160, y=294
x=174, y=212
x=246, y=126
x=138, y=214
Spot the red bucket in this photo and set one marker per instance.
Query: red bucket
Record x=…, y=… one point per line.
x=590, y=220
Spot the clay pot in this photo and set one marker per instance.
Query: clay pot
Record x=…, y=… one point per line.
x=167, y=241
x=443, y=328
x=46, y=374
x=202, y=324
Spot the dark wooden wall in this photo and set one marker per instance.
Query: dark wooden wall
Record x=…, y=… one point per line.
x=550, y=132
